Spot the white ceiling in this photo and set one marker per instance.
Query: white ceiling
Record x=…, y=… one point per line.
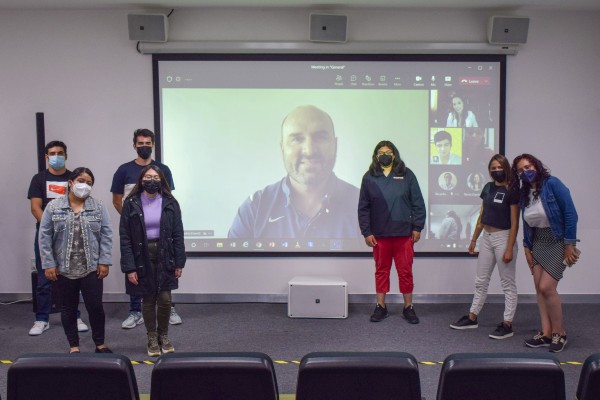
x=333, y=4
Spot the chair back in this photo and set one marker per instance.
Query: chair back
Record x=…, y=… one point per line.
x=358, y=375
x=501, y=376
x=589, y=379
x=199, y=376
x=87, y=376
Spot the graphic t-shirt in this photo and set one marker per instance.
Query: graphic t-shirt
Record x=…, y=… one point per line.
x=47, y=186
x=496, y=205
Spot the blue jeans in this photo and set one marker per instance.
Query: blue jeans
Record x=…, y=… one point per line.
x=43, y=292
x=135, y=303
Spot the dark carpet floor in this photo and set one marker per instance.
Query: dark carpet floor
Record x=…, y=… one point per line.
x=266, y=328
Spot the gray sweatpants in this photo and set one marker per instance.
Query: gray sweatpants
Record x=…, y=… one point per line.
x=491, y=249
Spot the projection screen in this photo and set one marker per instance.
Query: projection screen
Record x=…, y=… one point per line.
x=230, y=128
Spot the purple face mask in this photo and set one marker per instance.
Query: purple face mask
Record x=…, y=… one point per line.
x=529, y=175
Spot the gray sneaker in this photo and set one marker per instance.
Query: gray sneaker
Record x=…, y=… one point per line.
x=133, y=319
x=174, y=318
x=165, y=344
x=38, y=328
x=82, y=326
x=153, y=347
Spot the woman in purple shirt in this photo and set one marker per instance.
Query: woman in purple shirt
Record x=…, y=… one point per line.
x=152, y=252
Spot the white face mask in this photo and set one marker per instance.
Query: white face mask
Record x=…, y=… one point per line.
x=81, y=190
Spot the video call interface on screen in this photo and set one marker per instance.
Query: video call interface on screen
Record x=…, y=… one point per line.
x=268, y=152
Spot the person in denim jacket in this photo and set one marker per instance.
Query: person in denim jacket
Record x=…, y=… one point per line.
x=549, y=238
x=75, y=243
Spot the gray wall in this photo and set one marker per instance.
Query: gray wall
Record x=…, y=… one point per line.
x=80, y=69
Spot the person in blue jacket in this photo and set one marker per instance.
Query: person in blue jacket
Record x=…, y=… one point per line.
x=549, y=238
x=391, y=215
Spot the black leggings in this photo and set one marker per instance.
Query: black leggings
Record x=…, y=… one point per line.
x=91, y=289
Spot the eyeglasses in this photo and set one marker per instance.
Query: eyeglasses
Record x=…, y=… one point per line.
x=388, y=153
x=525, y=168
x=151, y=178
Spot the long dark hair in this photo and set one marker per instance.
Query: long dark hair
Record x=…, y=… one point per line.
x=165, y=190
x=505, y=164
x=460, y=118
x=81, y=170
x=542, y=174
x=398, y=165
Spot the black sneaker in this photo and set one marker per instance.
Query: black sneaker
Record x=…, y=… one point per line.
x=502, y=332
x=379, y=314
x=104, y=350
x=410, y=315
x=558, y=342
x=464, y=323
x=538, y=340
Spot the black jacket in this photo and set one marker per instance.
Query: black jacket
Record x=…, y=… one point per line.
x=390, y=205
x=134, y=247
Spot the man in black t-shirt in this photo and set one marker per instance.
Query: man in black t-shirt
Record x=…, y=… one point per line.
x=45, y=186
x=123, y=182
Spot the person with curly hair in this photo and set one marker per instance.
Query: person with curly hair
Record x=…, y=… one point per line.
x=549, y=238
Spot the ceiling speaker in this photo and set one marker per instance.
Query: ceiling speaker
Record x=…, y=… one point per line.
x=328, y=28
x=148, y=27
x=508, y=30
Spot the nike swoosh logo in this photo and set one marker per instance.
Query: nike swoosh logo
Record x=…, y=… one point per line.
x=271, y=220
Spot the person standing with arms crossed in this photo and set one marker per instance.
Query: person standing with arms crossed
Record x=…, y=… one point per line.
x=123, y=182
x=391, y=215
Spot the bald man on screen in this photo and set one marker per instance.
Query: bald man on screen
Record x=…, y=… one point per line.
x=311, y=201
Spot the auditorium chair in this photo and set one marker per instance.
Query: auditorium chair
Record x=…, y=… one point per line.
x=589, y=379
x=501, y=376
x=86, y=376
x=358, y=375
x=204, y=376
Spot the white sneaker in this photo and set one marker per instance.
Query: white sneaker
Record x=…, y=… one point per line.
x=38, y=328
x=174, y=318
x=81, y=326
x=133, y=319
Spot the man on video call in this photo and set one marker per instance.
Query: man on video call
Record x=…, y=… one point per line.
x=311, y=201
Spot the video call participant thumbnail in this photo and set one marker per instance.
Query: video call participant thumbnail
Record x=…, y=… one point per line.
x=310, y=201
x=458, y=117
x=443, y=146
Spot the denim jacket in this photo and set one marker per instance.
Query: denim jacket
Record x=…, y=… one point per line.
x=56, y=234
x=560, y=211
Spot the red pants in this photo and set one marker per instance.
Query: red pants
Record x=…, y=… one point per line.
x=400, y=249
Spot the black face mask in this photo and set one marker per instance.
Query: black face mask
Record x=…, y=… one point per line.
x=144, y=151
x=498, y=176
x=385, y=160
x=151, y=186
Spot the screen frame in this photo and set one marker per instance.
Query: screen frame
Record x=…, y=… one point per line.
x=387, y=57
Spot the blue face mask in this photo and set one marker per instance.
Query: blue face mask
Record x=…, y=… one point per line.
x=56, y=162
x=529, y=175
